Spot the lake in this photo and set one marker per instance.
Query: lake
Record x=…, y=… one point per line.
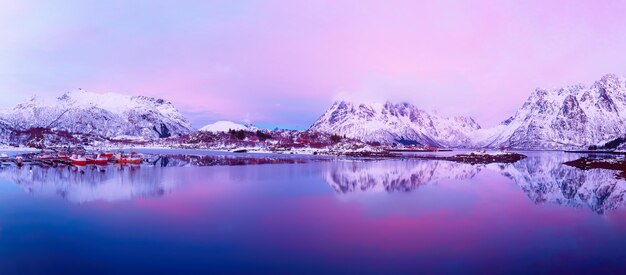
x=226, y=213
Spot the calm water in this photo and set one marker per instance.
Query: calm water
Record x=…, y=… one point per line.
x=312, y=215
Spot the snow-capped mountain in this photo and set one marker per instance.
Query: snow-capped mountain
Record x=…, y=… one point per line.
x=225, y=126
x=390, y=123
x=5, y=131
x=107, y=115
x=572, y=117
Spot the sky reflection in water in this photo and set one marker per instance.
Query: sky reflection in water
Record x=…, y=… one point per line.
x=313, y=215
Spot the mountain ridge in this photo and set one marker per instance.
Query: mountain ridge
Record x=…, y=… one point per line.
x=225, y=126
x=572, y=117
x=108, y=115
x=575, y=116
x=394, y=122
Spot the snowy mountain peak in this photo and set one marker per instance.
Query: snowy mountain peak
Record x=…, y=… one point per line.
x=29, y=103
x=107, y=115
x=225, y=126
x=574, y=116
x=394, y=122
x=571, y=117
x=609, y=80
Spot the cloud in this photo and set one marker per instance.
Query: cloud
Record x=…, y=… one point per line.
x=284, y=62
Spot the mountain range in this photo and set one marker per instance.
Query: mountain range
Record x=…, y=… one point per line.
x=108, y=115
x=572, y=117
x=395, y=123
x=575, y=116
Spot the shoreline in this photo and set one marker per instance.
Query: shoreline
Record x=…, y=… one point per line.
x=618, y=165
x=595, y=152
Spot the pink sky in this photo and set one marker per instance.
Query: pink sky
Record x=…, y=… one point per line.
x=283, y=62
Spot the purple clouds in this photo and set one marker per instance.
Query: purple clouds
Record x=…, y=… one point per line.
x=283, y=62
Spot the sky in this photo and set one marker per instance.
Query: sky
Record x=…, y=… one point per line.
x=283, y=63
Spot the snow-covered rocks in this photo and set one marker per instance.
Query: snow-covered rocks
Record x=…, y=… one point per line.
x=5, y=131
x=571, y=117
x=395, y=123
x=106, y=115
x=225, y=126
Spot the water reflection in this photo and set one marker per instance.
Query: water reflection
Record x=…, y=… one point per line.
x=394, y=175
x=545, y=179
x=177, y=160
x=541, y=176
x=84, y=184
x=118, y=183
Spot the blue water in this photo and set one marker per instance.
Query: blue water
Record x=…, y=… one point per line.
x=312, y=215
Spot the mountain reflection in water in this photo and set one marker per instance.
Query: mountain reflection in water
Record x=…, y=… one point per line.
x=541, y=176
x=177, y=160
x=394, y=175
x=90, y=183
x=545, y=179
x=118, y=183
x=211, y=214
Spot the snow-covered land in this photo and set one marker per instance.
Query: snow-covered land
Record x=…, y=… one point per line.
x=107, y=115
x=571, y=117
x=225, y=126
x=390, y=123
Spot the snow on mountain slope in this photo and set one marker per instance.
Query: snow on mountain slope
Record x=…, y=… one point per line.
x=225, y=126
x=108, y=115
x=572, y=117
x=388, y=123
x=5, y=131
